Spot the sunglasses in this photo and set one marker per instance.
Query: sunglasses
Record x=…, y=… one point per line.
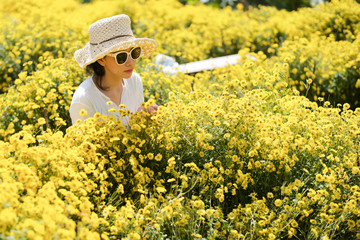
x=122, y=57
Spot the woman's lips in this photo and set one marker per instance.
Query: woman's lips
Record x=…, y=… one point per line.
x=129, y=71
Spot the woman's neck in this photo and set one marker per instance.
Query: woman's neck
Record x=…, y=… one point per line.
x=111, y=83
x=113, y=90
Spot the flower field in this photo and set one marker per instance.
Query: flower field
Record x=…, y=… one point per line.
x=265, y=149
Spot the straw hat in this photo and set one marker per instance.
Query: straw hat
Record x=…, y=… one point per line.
x=110, y=35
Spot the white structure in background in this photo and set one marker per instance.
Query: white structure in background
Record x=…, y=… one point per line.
x=166, y=64
x=169, y=66
x=316, y=2
x=209, y=64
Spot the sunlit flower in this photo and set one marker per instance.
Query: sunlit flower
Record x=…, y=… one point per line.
x=150, y=155
x=158, y=157
x=41, y=121
x=83, y=112
x=278, y=202
x=112, y=110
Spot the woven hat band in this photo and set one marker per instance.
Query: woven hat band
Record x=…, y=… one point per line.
x=111, y=39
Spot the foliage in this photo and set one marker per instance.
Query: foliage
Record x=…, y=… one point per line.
x=26, y=42
x=269, y=164
x=287, y=4
x=257, y=150
x=190, y=33
x=330, y=67
x=44, y=95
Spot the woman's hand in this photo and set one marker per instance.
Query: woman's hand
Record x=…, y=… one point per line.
x=151, y=109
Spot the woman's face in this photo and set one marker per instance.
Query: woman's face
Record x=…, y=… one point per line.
x=119, y=71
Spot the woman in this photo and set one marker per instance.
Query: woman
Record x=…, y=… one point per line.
x=111, y=56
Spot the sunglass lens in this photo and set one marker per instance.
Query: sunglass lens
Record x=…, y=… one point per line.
x=121, y=58
x=135, y=53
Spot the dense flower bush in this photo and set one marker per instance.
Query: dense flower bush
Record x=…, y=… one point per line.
x=50, y=29
x=258, y=150
x=331, y=66
x=285, y=4
x=29, y=36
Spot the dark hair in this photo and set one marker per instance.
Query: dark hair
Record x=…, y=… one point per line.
x=98, y=70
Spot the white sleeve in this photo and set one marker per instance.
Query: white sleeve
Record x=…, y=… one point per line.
x=141, y=91
x=75, y=109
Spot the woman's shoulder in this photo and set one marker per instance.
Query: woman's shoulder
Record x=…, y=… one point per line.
x=84, y=90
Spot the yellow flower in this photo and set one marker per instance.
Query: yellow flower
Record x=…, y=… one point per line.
x=294, y=224
x=278, y=202
x=125, y=141
x=83, y=112
x=40, y=92
x=271, y=236
x=262, y=223
x=199, y=204
x=319, y=178
x=351, y=223
x=234, y=233
x=168, y=211
x=158, y=157
x=357, y=84
x=301, y=204
x=112, y=110
x=160, y=189
x=97, y=115
x=114, y=139
x=41, y=121
x=217, y=123
x=8, y=216
x=196, y=235
x=171, y=161
x=134, y=235
x=252, y=153
x=346, y=106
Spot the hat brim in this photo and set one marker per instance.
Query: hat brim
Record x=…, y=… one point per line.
x=91, y=53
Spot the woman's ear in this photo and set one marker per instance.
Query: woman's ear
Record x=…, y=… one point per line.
x=101, y=61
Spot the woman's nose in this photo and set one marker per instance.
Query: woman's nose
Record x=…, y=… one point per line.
x=130, y=61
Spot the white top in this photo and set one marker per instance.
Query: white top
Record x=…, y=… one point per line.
x=88, y=97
